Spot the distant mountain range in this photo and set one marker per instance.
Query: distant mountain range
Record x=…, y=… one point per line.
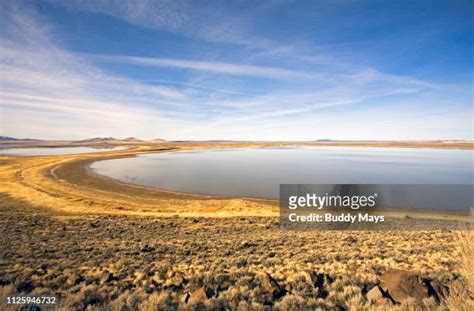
x=89, y=140
x=6, y=138
x=10, y=141
x=96, y=140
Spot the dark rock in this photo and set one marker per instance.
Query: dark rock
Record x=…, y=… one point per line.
x=25, y=286
x=147, y=249
x=47, y=251
x=245, y=244
x=93, y=299
x=106, y=277
x=185, y=298
x=339, y=307
x=401, y=285
x=200, y=295
x=272, y=286
x=242, y=262
x=435, y=289
x=322, y=293
x=440, y=292
x=376, y=295
x=320, y=280
x=217, y=290
x=74, y=279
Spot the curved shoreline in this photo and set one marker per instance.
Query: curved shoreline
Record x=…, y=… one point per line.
x=463, y=145
x=66, y=184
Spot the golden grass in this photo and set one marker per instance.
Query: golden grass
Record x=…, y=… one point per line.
x=36, y=180
x=461, y=297
x=229, y=255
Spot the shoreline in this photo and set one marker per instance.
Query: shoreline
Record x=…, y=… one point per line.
x=463, y=145
x=66, y=184
x=116, y=242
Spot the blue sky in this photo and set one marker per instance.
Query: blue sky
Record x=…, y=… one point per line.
x=243, y=70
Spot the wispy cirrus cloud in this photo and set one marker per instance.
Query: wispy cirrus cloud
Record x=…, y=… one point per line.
x=212, y=66
x=210, y=21
x=276, y=91
x=39, y=78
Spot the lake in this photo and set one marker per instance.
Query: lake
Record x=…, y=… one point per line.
x=53, y=151
x=258, y=173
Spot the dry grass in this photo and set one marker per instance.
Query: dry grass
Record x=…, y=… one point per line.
x=108, y=262
x=103, y=245
x=63, y=184
x=461, y=297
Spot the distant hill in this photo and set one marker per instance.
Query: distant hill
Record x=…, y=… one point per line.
x=7, y=138
x=220, y=140
x=325, y=140
x=131, y=139
x=206, y=141
x=112, y=140
x=96, y=140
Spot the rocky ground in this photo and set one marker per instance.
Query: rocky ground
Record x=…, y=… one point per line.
x=148, y=263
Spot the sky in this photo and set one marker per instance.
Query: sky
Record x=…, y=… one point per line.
x=236, y=70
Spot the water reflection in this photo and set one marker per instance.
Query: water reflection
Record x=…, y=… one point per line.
x=259, y=172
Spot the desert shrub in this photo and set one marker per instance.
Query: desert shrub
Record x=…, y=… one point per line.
x=291, y=302
x=460, y=295
x=158, y=301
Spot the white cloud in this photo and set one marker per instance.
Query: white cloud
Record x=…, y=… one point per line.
x=208, y=21
x=47, y=91
x=216, y=67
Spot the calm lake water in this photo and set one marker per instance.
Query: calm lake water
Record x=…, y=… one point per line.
x=259, y=172
x=53, y=151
